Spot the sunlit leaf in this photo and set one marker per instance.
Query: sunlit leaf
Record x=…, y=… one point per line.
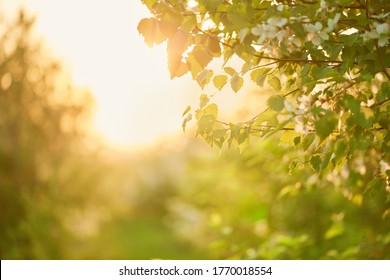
x=185, y=121
x=269, y=117
x=204, y=77
x=186, y=110
x=274, y=82
x=202, y=55
x=230, y=71
x=259, y=76
x=150, y=30
x=335, y=230
x=203, y=100
x=219, y=81
x=149, y=3
x=236, y=82
x=177, y=44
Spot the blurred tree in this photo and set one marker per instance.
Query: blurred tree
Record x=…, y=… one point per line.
x=41, y=123
x=61, y=195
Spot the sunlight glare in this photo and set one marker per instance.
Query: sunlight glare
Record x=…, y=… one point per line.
x=99, y=43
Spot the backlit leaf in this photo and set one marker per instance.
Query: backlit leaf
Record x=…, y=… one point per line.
x=150, y=30
x=236, y=82
x=186, y=110
x=203, y=77
x=177, y=44
x=274, y=82
x=219, y=81
x=230, y=71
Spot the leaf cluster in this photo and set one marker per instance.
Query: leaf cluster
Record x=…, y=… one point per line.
x=326, y=61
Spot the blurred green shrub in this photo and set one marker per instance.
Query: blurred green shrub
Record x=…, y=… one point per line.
x=246, y=206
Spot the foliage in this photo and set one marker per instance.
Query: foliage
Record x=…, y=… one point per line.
x=242, y=206
x=327, y=62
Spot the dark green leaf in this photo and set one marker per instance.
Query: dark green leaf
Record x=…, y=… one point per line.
x=276, y=102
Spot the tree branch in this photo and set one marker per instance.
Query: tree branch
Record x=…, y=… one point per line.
x=380, y=103
x=291, y=60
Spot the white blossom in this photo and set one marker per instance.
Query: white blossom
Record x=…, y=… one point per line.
x=305, y=102
x=317, y=31
x=379, y=32
x=323, y=7
x=273, y=28
x=313, y=32
x=384, y=166
x=280, y=7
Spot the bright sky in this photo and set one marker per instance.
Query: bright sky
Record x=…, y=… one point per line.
x=98, y=40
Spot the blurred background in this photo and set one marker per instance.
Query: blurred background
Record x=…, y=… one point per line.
x=94, y=164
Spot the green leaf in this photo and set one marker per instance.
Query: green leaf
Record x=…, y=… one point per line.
x=297, y=140
x=308, y=139
x=340, y=150
x=274, y=82
x=219, y=81
x=315, y=162
x=362, y=140
x=334, y=51
x=150, y=30
x=269, y=117
x=366, y=117
x=305, y=70
x=334, y=231
x=245, y=52
x=237, y=19
x=279, y=127
x=349, y=40
x=325, y=124
x=298, y=29
x=352, y=104
x=236, y=82
x=383, y=94
x=276, y=102
x=259, y=75
x=323, y=73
